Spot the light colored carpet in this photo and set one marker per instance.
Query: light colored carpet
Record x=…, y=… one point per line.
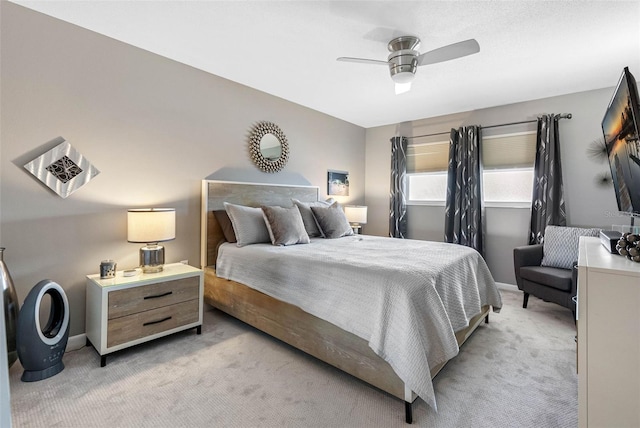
x=517, y=371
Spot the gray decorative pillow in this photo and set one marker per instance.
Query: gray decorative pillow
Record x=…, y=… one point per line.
x=560, y=245
x=332, y=221
x=285, y=225
x=308, y=219
x=225, y=224
x=248, y=224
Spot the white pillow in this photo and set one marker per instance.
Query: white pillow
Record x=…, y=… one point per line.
x=560, y=245
x=308, y=219
x=248, y=224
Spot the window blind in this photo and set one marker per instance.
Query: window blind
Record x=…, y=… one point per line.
x=498, y=152
x=509, y=151
x=428, y=157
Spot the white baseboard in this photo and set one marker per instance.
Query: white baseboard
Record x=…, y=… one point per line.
x=506, y=287
x=76, y=342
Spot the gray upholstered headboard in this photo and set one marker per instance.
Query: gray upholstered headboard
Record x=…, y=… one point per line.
x=215, y=193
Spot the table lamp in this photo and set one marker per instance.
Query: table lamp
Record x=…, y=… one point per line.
x=151, y=226
x=356, y=216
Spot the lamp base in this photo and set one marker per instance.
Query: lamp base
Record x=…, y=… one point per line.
x=152, y=258
x=152, y=269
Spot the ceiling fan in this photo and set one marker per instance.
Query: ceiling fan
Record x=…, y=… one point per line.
x=404, y=58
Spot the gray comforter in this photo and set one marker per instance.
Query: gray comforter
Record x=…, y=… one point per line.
x=407, y=298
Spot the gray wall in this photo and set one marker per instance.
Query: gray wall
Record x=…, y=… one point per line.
x=587, y=203
x=153, y=127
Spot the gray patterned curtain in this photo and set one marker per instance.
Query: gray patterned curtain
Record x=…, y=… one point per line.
x=547, y=205
x=398, y=208
x=464, y=209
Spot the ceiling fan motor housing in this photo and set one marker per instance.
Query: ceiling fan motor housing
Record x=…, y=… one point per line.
x=403, y=65
x=403, y=59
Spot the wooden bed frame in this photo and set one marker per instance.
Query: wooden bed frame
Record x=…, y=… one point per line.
x=287, y=322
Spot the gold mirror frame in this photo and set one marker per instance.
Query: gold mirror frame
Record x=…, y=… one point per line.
x=267, y=165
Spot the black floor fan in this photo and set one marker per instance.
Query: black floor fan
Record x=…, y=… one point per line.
x=40, y=349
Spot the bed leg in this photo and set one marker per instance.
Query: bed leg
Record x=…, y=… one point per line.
x=408, y=412
x=486, y=319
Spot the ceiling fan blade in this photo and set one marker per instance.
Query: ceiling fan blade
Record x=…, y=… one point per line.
x=362, y=60
x=449, y=52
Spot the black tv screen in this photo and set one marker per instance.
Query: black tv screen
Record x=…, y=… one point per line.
x=620, y=127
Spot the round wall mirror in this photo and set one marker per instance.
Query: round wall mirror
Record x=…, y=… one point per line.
x=268, y=147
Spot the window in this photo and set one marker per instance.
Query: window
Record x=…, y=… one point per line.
x=507, y=177
x=427, y=187
x=508, y=186
x=427, y=173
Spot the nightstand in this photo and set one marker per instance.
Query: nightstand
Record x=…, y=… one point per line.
x=125, y=311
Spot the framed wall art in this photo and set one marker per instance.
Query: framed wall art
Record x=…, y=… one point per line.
x=338, y=183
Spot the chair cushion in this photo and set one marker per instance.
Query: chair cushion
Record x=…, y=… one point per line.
x=559, y=279
x=561, y=245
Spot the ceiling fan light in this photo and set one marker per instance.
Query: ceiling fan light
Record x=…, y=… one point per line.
x=402, y=88
x=403, y=77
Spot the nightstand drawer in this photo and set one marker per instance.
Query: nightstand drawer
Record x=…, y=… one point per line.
x=148, y=323
x=139, y=299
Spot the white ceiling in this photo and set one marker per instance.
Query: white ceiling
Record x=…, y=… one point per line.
x=528, y=49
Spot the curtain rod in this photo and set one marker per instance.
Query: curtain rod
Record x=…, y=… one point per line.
x=562, y=116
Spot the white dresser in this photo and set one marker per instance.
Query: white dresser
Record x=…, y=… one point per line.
x=608, y=338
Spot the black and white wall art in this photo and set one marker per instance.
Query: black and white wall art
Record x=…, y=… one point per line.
x=63, y=169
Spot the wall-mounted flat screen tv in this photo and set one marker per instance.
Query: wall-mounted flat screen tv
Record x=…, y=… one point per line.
x=620, y=127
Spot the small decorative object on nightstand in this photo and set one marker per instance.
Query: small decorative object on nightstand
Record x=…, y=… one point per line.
x=150, y=227
x=356, y=215
x=108, y=269
x=128, y=310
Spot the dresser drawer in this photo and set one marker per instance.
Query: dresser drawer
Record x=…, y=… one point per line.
x=144, y=298
x=143, y=324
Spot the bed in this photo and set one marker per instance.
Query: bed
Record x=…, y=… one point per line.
x=397, y=343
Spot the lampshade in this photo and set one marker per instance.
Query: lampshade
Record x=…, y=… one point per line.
x=151, y=225
x=356, y=214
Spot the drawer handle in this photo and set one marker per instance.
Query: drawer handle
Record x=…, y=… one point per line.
x=156, y=322
x=158, y=295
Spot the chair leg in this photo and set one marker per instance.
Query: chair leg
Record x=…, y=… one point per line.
x=526, y=300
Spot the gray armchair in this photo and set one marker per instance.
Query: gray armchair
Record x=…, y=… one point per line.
x=551, y=284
